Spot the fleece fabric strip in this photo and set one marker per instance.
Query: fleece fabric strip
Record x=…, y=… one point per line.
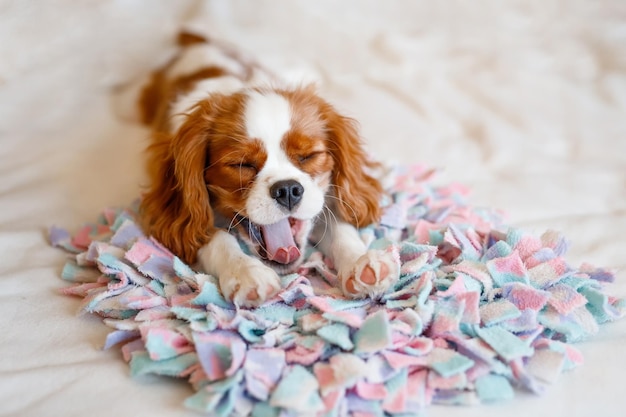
x=480, y=310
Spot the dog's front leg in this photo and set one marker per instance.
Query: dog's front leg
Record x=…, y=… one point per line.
x=243, y=279
x=361, y=272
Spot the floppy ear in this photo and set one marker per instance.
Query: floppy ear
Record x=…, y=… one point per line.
x=175, y=209
x=358, y=193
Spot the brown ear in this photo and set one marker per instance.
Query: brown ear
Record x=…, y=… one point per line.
x=358, y=193
x=175, y=209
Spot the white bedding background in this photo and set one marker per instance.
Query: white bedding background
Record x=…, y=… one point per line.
x=523, y=101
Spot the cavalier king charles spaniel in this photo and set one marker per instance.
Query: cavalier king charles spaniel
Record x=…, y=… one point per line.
x=243, y=177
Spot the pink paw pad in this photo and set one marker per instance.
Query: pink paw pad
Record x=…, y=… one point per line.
x=379, y=272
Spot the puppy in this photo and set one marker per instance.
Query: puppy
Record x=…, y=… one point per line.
x=243, y=177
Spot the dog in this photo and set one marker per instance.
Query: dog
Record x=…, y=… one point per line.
x=244, y=175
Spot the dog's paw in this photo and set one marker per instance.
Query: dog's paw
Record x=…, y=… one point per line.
x=371, y=275
x=249, y=283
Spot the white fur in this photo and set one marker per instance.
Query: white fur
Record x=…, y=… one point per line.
x=268, y=118
x=184, y=103
x=196, y=57
x=341, y=242
x=238, y=273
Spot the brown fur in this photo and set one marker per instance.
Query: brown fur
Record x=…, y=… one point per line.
x=358, y=193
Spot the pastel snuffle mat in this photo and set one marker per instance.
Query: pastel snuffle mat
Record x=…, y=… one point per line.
x=480, y=310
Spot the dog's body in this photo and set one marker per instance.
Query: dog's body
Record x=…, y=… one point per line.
x=275, y=167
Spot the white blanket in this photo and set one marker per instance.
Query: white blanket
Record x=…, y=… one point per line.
x=523, y=101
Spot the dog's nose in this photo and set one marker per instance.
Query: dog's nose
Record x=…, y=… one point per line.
x=287, y=193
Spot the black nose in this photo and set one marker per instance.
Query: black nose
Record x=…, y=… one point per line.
x=287, y=193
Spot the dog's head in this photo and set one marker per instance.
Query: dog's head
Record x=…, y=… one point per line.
x=265, y=163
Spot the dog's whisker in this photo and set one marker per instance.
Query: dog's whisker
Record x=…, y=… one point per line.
x=232, y=225
x=238, y=219
x=333, y=216
x=219, y=160
x=326, y=221
x=255, y=238
x=341, y=201
x=235, y=217
x=242, y=189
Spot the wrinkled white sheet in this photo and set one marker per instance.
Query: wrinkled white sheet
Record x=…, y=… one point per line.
x=524, y=101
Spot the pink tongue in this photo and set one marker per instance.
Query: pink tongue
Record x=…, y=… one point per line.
x=279, y=242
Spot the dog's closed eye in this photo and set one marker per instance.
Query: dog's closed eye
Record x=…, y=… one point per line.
x=307, y=157
x=250, y=166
